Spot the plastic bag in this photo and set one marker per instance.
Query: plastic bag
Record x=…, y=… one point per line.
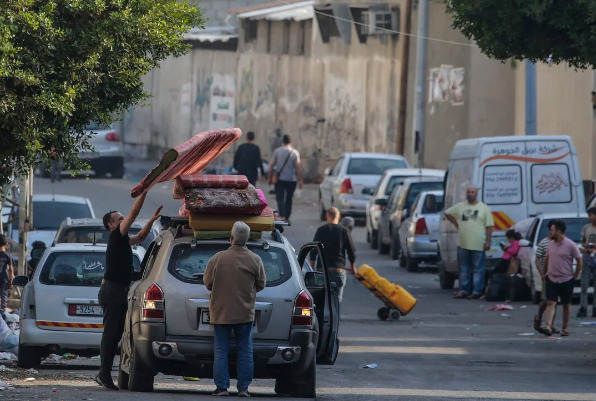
x=9, y=339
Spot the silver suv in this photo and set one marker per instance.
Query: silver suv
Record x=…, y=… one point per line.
x=167, y=327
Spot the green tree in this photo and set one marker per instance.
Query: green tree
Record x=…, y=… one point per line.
x=530, y=29
x=64, y=63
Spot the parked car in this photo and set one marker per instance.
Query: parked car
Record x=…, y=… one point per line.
x=396, y=210
x=538, y=230
x=168, y=328
x=59, y=307
x=349, y=184
x=49, y=210
x=389, y=180
x=93, y=231
x=419, y=233
x=107, y=156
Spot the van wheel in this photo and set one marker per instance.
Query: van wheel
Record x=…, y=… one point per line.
x=446, y=279
x=137, y=379
x=29, y=357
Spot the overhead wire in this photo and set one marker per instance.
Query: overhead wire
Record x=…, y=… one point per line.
x=451, y=42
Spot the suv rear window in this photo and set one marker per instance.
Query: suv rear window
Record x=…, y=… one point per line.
x=49, y=215
x=373, y=166
x=83, y=269
x=89, y=235
x=188, y=264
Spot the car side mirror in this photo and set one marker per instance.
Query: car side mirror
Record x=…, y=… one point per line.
x=327, y=171
x=381, y=202
x=20, y=281
x=430, y=203
x=36, y=253
x=314, y=279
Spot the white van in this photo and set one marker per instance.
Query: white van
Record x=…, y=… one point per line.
x=517, y=177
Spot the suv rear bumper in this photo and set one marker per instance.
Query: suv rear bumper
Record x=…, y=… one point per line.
x=195, y=354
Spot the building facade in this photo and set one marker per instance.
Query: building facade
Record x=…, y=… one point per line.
x=339, y=76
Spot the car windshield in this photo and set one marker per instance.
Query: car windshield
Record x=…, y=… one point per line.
x=49, y=215
x=417, y=187
x=368, y=166
x=78, y=268
x=188, y=264
x=439, y=203
x=89, y=235
x=573, y=230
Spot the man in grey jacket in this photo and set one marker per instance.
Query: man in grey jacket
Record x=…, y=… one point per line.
x=234, y=277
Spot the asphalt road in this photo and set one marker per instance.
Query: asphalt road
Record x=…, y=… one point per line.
x=445, y=349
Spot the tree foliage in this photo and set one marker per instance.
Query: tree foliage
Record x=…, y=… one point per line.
x=564, y=30
x=64, y=63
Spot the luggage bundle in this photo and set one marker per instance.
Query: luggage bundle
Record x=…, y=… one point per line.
x=213, y=203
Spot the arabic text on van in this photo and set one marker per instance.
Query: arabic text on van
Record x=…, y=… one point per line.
x=525, y=150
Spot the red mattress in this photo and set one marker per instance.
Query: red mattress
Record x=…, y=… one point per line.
x=208, y=181
x=190, y=157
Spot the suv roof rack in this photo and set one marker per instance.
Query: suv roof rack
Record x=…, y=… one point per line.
x=177, y=224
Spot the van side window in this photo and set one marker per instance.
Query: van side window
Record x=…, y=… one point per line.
x=551, y=183
x=502, y=184
x=460, y=177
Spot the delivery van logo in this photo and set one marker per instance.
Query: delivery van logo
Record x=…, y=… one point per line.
x=502, y=221
x=542, y=154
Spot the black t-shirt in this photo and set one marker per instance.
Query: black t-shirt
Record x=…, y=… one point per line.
x=4, y=265
x=337, y=242
x=247, y=159
x=119, y=267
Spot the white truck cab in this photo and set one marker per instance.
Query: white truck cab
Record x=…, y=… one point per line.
x=517, y=177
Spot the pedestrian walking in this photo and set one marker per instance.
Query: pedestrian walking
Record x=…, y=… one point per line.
x=6, y=272
x=234, y=277
x=474, y=222
x=559, y=275
x=247, y=160
x=285, y=172
x=588, y=275
x=540, y=259
x=337, y=242
x=117, y=277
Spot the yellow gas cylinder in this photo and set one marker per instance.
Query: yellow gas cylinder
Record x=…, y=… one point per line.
x=384, y=286
x=402, y=299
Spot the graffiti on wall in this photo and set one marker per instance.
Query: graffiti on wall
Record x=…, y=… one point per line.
x=266, y=94
x=246, y=90
x=446, y=84
x=222, y=103
x=202, y=98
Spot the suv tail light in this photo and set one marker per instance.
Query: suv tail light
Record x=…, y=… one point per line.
x=153, y=303
x=346, y=187
x=113, y=137
x=421, y=228
x=303, y=310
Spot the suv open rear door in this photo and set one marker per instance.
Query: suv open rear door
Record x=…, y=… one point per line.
x=326, y=304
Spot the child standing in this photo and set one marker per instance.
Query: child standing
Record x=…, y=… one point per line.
x=509, y=251
x=6, y=272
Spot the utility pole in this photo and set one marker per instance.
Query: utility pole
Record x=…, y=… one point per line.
x=531, y=112
x=25, y=219
x=420, y=85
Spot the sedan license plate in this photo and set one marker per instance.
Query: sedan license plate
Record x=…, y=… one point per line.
x=205, y=317
x=90, y=310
